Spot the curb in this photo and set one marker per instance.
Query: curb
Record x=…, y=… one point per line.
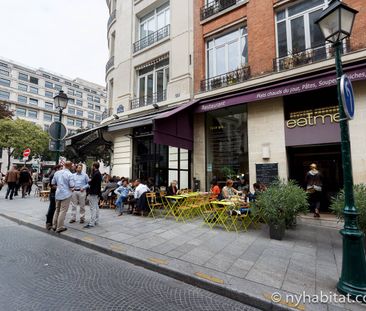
x=244, y=298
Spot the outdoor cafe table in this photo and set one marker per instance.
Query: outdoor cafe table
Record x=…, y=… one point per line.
x=173, y=202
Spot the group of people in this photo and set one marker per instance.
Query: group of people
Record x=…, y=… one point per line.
x=18, y=179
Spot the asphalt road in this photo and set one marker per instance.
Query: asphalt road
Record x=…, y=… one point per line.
x=41, y=272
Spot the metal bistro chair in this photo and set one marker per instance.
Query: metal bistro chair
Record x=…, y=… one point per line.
x=154, y=206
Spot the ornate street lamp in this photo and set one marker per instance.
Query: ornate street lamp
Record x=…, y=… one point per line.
x=60, y=101
x=336, y=24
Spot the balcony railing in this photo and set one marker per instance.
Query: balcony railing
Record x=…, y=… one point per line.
x=109, y=64
x=111, y=18
x=308, y=56
x=230, y=78
x=151, y=38
x=217, y=6
x=148, y=100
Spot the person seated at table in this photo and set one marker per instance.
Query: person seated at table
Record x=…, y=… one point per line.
x=122, y=192
x=140, y=197
x=229, y=191
x=109, y=188
x=172, y=189
x=214, y=190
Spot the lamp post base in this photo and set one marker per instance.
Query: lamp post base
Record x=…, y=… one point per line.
x=353, y=277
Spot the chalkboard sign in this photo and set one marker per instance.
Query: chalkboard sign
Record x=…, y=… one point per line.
x=266, y=173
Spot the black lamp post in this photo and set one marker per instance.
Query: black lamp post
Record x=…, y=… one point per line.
x=336, y=23
x=60, y=101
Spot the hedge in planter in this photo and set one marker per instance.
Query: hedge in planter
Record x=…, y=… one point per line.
x=280, y=204
x=337, y=205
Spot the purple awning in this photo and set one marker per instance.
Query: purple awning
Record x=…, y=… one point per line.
x=175, y=128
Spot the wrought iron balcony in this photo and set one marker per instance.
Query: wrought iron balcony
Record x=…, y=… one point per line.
x=148, y=100
x=109, y=64
x=216, y=6
x=230, y=78
x=111, y=19
x=308, y=56
x=151, y=38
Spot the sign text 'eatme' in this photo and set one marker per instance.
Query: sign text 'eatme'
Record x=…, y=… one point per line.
x=309, y=119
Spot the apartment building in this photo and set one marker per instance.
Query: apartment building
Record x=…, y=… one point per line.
x=150, y=71
x=29, y=93
x=265, y=83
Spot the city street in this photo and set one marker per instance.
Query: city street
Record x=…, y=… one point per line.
x=41, y=272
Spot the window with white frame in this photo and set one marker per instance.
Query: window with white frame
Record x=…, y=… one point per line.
x=153, y=79
x=22, y=87
x=70, y=122
x=20, y=112
x=4, y=94
x=227, y=52
x=154, y=21
x=296, y=29
x=48, y=106
x=32, y=114
x=47, y=117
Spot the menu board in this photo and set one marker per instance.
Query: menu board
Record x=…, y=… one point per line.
x=266, y=173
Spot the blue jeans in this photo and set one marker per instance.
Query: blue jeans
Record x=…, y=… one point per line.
x=119, y=203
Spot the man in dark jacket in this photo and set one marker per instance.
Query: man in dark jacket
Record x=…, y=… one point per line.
x=11, y=178
x=95, y=184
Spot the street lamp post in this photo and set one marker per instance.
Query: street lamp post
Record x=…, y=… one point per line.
x=336, y=24
x=60, y=101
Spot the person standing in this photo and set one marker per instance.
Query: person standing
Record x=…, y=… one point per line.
x=313, y=181
x=24, y=180
x=52, y=205
x=95, y=185
x=11, y=178
x=79, y=194
x=65, y=184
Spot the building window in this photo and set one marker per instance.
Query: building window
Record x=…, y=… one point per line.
x=85, y=89
x=33, y=90
x=71, y=110
x=91, y=115
x=79, y=102
x=75, y=85
x=70, y=122
x=48, y=94
x=3, y=65
x=23, y=76
x=98, y=117
x=32, y=114
x=154, y=21
x=90, y=106
x=33, y=80
x=56, y=79
x=4, y=72
x=70, y=92
x=71, y=101
x=48, y=106
x=20, y=112
x=67, y=83
x=47, y=117
x=90, y=98
x=90, y=125
x=4, y=94
x=33, y=101
x=79, y=113
x=48, y=84
x=295, y=27
x=153, y=79
x=58, y=87
x=22, y=99
x=4, y=82
x=227, y=52
x=78, y=94
x=22, y=87
x=46, y=76
x=79, y=123
x=227, y=144
x=96, y=99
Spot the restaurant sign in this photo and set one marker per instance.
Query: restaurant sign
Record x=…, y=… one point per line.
x=284, y=89
x=313, y=117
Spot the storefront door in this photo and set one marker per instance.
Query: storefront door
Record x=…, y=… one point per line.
x=329, y=161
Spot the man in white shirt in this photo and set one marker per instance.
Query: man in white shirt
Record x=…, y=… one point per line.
x=140, y=189
x=64, y=180
x=79, y=194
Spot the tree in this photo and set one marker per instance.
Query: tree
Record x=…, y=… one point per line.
x=18, y=135
x=5, y=113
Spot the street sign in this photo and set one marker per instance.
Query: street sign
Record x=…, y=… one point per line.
x=348, y=99
x=52, y=145
x=26, y=153
x=53, y=130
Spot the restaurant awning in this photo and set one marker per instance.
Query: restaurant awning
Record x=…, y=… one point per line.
x=175, y=128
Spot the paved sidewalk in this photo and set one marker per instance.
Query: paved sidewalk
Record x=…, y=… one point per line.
x=246, y=266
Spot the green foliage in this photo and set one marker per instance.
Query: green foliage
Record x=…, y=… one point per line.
x=337, y=204
x=17, y=135
x=282, y=202
x=227, y=172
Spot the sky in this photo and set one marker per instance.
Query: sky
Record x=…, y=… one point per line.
x=68, y=37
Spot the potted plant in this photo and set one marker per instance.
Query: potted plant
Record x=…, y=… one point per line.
x=337, y=205
x=216, y=83
x=280, y=204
